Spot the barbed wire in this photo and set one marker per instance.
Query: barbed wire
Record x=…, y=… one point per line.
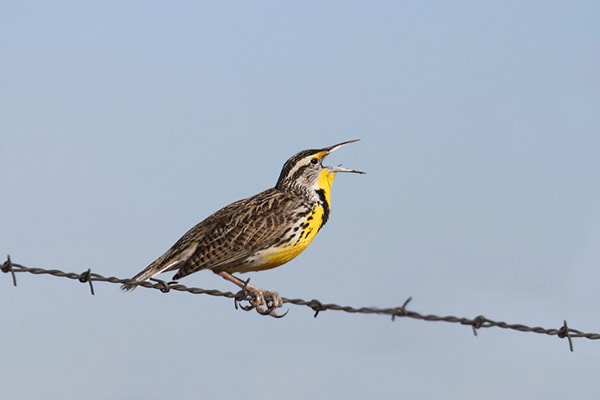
x=478, y=322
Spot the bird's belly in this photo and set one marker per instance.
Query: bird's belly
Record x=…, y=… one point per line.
x=277, y=256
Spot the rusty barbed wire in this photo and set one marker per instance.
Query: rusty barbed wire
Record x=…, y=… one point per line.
x=476, y=323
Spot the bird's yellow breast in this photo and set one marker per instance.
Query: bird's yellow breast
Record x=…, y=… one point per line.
x=283, y=253
x=306, y=229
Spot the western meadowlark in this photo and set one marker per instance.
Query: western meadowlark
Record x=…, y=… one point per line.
x=260, y=232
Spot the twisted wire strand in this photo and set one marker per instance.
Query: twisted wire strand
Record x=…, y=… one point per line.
x=564, y=331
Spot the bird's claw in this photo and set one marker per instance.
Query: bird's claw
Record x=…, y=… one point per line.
x=264, y=302
x=272, y=301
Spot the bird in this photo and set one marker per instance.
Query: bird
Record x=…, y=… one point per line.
x=260, y=232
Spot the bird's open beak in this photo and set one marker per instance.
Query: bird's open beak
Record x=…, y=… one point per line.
x=339, y=168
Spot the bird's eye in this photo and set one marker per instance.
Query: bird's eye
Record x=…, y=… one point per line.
x=314, y=161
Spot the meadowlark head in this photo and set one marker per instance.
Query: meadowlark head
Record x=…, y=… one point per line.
x=306, y=170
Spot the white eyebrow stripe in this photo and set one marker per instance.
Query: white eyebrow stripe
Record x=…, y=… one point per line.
x=299, y=164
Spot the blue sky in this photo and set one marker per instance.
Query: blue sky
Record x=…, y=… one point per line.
x=122, y=124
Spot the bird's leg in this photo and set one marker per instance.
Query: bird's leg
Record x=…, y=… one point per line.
x=261, y=297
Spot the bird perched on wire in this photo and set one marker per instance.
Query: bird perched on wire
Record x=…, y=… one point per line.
x=260, y=232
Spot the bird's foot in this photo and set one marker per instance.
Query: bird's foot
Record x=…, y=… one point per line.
x=263, y=301
x=272, y=301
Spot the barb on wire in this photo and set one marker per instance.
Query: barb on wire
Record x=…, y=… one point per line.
x=317, y=306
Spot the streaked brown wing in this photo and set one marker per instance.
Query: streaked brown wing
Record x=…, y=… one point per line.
x=238, y=231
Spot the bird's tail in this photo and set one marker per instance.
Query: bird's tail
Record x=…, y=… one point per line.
x=151, y=270
x=141, y=277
